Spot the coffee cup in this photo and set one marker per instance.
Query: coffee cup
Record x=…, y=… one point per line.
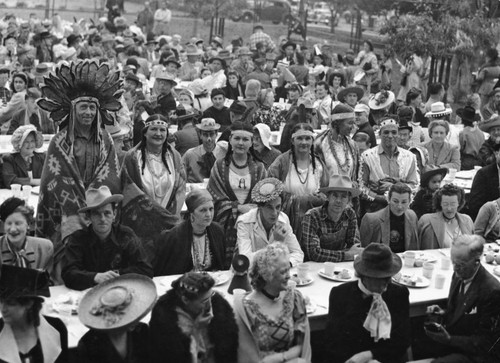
x=427, y=270
x=329, y=268
x=302, y=271
x=16, y=190
x=409, y=258
x=439, y=281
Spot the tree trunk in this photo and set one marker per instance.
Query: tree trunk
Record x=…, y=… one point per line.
x=195, y=25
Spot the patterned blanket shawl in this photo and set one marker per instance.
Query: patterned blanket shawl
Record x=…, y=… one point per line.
x=62, y=191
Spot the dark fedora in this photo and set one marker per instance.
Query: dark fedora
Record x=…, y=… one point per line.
x=377, y=260
x=132, y=77
x=16, y=282
x=468, y=113
x=424, y=181
x=403, y=125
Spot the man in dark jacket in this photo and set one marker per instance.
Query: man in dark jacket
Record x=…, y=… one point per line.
x=470, y=328
x=485, y=187
x=102, y=251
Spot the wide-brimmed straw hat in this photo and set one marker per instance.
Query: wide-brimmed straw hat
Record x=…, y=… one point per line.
x=192, y=49
x=167, y=77
x=117, y=303
x=16, y=282
x=377, y=260
x=340, y=183
x=438, y=109
x=357, y=90
x=96, y=198
x=381, y=100
x=116, y=131
x=266, y=190
x=208, y=124
x=487, y=125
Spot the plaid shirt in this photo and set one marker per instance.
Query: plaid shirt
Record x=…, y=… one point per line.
x=326, y=240
x=263, y=38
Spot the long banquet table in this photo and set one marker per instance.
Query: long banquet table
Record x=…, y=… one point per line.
x=318, y=292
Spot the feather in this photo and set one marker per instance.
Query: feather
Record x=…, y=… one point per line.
x=92, y=72
x=112, y=105
x=49, y=105
x=100, y=76
x=59, y=115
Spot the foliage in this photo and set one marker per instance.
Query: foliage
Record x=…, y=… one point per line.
x=374, y=7
x=453, y=27
x=210, y=8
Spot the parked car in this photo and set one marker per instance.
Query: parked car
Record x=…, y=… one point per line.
x=320, y=13
x=277, y=11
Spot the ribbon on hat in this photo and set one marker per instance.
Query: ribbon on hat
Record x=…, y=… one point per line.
x=342, y=116
x=382, y=97
x=378, y=321
x=303, y=133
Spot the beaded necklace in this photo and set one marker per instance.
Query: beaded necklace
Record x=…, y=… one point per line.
x=344, y=167
x=200, y=263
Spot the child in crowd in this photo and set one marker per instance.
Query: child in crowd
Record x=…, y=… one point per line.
x=431, y=181
x=363, y=141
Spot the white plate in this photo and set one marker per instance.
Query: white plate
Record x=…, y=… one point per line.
x=220, y=277
x=336, y=276
x=35, y=190
x=300, y=282
x=421, y=281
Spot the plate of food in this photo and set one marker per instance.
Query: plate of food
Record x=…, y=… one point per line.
x=35, y=190
x=67, y=304
x=220, y=277
x=411, y=280
x=301, y=282
x=338, y=275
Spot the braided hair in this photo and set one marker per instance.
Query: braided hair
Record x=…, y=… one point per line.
x=165, y=147
x=238, y=125
x=306, y=127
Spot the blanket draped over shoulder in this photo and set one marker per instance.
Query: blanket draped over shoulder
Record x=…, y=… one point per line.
x=62, y=190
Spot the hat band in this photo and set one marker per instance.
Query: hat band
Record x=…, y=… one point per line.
x=85, y=99
x=342, y=116
x=241, y=133
x=156, y=123
x=303, y=133
x=388, y=122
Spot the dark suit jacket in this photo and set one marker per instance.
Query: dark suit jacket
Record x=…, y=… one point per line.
x=173, y=249
x=15, y=171
x=44, y=125
x=485, y=188
x=375, y=227
x=345, y=335
x=475, y=324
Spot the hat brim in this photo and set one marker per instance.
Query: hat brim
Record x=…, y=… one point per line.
x=487, y=126
x=173, y=61
x=373, y=102
x=222, y=60
x=409, y=128
x=363, y=270
x=143, y=299
x=209, y=128
x=358, y=91
x=199, y=52
x=354, y=192
x=288, y=44
x=447, y=111
x=476, y=117
x=428, y=175
x=167, y=79
x=115, y=198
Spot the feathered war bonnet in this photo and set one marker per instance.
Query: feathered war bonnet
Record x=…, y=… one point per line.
x=82, y=81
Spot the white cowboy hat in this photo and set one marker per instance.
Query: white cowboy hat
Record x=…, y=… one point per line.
x=438, y=109
x=96, y=198
x=341, y=183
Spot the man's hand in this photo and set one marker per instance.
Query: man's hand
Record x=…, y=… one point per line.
x=353, y=251
x=279, y=232
x=442, y=336
x=361, y=357
x=105, y=276
x=435, y=309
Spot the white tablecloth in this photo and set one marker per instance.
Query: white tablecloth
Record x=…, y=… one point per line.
x=318, y=292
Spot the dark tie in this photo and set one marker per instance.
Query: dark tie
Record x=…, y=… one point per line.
x=210, y=161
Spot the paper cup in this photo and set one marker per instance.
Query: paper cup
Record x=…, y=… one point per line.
x=451, y=174
x=445, y=263
x=16, y=190
x=302, y=271
x=329, y=268
x=439, y=281
x=409, y=258
x=427, y=270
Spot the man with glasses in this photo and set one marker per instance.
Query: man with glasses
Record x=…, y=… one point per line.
x=330, y=232
x=102, y=250
x=469, y=329
x=385, y=165
x=396, y=225
x=198, y=161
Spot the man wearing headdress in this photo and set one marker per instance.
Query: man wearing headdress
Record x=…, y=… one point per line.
x=81, y=97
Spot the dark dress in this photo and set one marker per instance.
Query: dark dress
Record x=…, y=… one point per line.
x=96, y=347
x=422, y=203
x=15, y=169
x=346, y=335
x=173, y=249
